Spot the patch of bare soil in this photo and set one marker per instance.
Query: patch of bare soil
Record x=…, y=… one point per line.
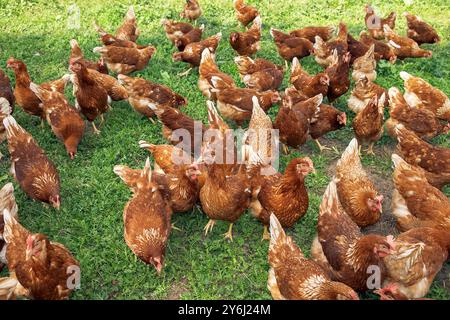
x=177, y=289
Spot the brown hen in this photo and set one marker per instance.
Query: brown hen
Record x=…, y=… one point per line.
x=420, y=31
x=142, y=93
x=247, y=43
x=146, y=216
x=65, y=121
x=357, y=193
x=415, y=202
x=30, y=166
x=42, y=270
x=342, y=250
x=294, y=277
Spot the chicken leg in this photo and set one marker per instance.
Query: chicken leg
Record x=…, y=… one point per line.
x=370, y=149
x=266, y=234
x=285, y=149
x=321, y=147
x=209, y=226
x=96, y=131
x=184, y=74
x=175, y=228
x=229, y=233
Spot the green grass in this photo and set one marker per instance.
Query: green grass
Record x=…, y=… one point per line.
x=90, y=220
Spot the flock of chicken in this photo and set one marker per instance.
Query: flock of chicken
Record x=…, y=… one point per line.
x=341, y=254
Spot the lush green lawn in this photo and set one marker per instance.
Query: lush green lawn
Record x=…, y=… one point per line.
x=90, y=220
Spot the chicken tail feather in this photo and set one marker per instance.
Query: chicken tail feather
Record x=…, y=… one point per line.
x=7, y=288
x=5, y=108
x=350, y=154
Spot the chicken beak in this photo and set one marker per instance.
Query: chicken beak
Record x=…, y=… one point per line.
x=56, y=204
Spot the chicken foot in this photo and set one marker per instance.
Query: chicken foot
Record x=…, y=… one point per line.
x=209, y=226
x=369, y=150
x=321, y=147
x=229, y=233
x=266, y=234
x=96, y=131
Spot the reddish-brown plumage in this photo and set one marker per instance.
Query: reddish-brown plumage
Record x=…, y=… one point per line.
x=357, y=193
x=310, y=33
x=323, y=51
x=25, y=98
x=420, y=94
x=208, y=69
x=123, y=60
x=368, y=124
x=180, y=186
x=225, y=197
x=289, y=46
x=382, y=49
x=283, y=195
x=192, y=53
x=247, y=43
x=142, y=93
x=363, y=91
x=342, y=249
x=173, y=119
x=236, y=103
x=420, y=31
x=293, y=277
x=128, y=30
x=375, y=23
x=8, y=202
x=35, y=172
x=405, y=47
x=308, y=85
x=43, y=269
x=328, y=119
x=65, y=121
x=77, y=54
x=175, y=30
x=420, y=120
x=6, y=90
x=244, y=13
x=91, y=98
x=195, y=35
x=338, y=72
x=293, y=120
x=358, y=49
x=419, y=255
x=434, y=159
x=259, y=74
x=192, y=10
x=146, y=216
x=109, y=40
x=415, y=202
